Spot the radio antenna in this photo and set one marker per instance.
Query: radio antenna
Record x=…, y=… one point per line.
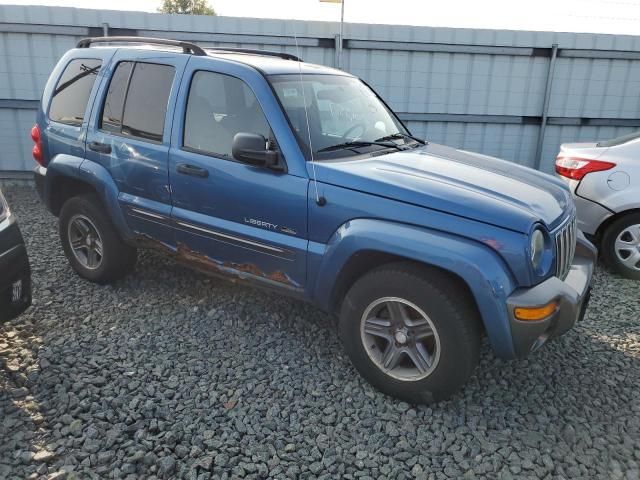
x=319, y=200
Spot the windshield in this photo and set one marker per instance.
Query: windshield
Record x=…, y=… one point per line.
x=341, y=109
x=620, y=140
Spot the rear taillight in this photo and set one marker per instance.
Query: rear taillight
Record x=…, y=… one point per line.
x=37, y=147
x=576, y=168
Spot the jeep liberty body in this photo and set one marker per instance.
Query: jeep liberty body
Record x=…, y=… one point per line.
x=257, y=166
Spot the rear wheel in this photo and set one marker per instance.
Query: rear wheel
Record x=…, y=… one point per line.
x=91, y=242
x=411, y=332
x=621, y=246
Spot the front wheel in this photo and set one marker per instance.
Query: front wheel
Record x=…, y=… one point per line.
x=413, y=333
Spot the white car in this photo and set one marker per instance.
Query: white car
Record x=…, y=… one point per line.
x=605, y=180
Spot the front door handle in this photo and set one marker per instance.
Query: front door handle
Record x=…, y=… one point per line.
x=100, y=147
x=192, y=170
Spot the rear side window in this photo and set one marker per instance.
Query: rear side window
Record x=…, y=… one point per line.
x=136, y=102
x=71, y=95
x=218, y=107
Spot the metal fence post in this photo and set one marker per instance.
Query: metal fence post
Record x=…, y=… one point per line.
x=545, y=105
x=341, y=33
x=105, y=29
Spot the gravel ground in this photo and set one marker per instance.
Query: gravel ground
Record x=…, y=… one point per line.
x=171, y=374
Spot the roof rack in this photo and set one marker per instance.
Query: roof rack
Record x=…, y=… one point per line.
x=187, y=47
x=252, y=51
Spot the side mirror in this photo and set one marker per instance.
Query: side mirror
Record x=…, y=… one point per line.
x=251, y=148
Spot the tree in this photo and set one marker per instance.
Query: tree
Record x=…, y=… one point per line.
x=186, y=7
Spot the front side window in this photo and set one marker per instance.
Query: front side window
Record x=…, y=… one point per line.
x=137, y=98
x=71, y=95
x=218, y=107
x=340, y=109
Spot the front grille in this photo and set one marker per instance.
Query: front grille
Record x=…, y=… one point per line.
x=565, y=247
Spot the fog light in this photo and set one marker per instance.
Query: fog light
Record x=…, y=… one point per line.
x=535, y=313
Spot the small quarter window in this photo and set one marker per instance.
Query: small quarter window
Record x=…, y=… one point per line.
x=71, y=95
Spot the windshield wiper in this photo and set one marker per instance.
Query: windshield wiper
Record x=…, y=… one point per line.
x=347, y=145
x=396, y=135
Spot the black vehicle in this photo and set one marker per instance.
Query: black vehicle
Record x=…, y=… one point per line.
x=15, y=274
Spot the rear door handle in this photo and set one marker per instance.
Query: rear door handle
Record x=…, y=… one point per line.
x=192, y=170
x=100, y=147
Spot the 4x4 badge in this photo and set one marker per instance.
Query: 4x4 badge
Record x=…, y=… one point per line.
x=288, y=230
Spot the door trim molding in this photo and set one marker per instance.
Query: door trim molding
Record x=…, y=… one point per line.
x=235, y=240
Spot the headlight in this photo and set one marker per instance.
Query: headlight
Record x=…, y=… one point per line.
x=536, y=249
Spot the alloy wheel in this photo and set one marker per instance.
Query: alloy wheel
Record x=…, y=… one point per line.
x=400, y=339
x=85, y=242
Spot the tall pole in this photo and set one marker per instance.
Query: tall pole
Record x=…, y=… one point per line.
x=341, y=33
x=545, y=106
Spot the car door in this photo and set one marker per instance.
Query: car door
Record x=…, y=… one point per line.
x=129, y=135
x=231, y=217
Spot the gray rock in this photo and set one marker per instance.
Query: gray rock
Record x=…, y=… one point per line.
x=105, y=457
x=66, y=419
x=206, y=462
x=569, y=434
x=132, y=374
x=45, y=456
x=150, y=458
x=181, y=451
x=75, y=427
x=128, y=468
x=167, y=466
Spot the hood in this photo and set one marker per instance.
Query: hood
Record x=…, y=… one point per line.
x=462, y=183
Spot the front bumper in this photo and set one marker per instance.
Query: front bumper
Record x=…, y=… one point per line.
x=15, y=274
x=572, y=296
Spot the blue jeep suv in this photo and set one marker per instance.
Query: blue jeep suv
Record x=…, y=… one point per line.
x=257, y=166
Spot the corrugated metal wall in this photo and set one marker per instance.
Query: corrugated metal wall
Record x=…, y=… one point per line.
x=481, y=90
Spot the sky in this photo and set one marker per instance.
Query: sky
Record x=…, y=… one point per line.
x=594, y=16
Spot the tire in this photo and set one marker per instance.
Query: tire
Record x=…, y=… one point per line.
x=627, y=230
x=116, y=258
x=452, y=315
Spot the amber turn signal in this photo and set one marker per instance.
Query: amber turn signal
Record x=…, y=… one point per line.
x=535, y=313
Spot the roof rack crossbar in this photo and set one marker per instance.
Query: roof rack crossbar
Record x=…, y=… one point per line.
x=187, y=47
x=253, y=51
